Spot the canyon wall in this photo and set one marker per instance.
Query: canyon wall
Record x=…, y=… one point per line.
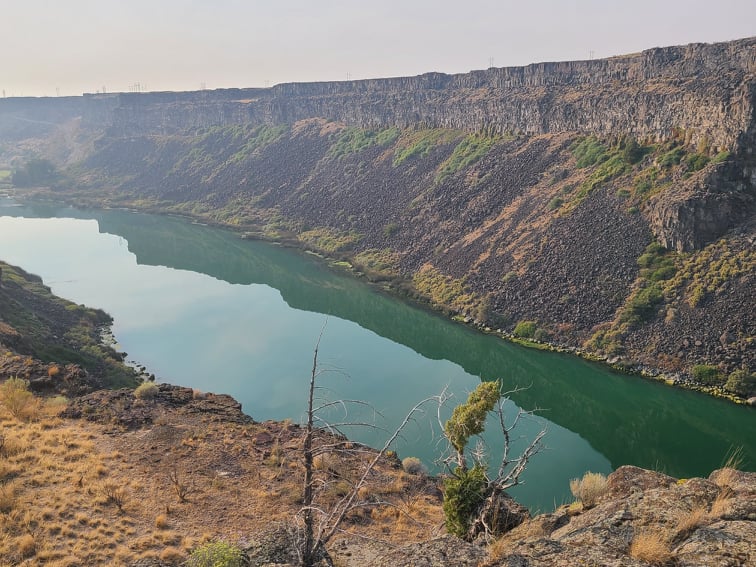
x=705, y=90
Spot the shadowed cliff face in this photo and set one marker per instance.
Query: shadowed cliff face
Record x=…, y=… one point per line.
x=483, y=192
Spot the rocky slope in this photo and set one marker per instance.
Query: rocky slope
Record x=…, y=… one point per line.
x=530, y=199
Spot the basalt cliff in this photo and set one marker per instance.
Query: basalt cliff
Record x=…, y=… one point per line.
x=605, y=205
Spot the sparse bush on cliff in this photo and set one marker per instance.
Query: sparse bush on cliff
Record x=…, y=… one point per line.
x=589, y=488
x=146, y=391
x=642, y=305
x=741, y=382
x=463, y=494
x=588, y=151
x=16, y=397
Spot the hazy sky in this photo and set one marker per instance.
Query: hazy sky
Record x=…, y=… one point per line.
x=74, y=46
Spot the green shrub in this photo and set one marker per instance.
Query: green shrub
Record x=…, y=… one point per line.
x=696, y=161
x=541, y=335
x=642, y=306
x=471, y=149
x=463, y=494
x=526, y=329
x=216, y=554
x=672, y=157
x=588, y=151
x=720, y=157
x=146, y=391
x=707, y=374
x=390, y=229
x=555, y=203
x=741, y=382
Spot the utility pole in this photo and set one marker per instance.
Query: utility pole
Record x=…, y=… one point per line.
x=490, y=62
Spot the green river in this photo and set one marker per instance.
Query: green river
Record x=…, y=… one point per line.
x=201, y=307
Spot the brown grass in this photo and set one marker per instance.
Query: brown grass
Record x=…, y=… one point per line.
x=81, y=493
x=589, y=488
x=652, y=547
x=690, y=521
x=722, y=504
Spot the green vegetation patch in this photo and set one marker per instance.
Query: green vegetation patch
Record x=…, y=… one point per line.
x=741, y=382
x=531, y=331
x=418, y=144
x=707, y=374
x=705, y=271
x=446, y=290
x=354, y=140
x=259, y=138
x=608, y=162
x=588, y=151
x=384, y=261
x=330, y=240
x=471, y=149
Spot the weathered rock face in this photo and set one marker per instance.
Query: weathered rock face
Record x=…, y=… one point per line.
x=697, y=522
x=706, y=90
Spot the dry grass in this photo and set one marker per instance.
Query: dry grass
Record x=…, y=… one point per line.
x=589, y=488
x=690, y=521
x=652, y=547
x=81, y=493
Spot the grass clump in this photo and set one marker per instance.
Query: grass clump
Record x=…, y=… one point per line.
x=651, y=547
x=216, y=554
x=146, y=391
x=589, y=488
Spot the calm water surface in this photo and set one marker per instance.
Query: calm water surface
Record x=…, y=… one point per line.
x=203, y=308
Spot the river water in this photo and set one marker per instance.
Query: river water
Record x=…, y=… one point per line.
x=204, y=308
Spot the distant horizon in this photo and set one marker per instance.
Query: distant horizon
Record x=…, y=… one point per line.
x=386, y=77
x=88, y=46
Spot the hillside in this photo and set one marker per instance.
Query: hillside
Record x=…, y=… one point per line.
x=120, y=477
x=605, y=206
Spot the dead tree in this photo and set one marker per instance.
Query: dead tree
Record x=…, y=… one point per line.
x=321, y=523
